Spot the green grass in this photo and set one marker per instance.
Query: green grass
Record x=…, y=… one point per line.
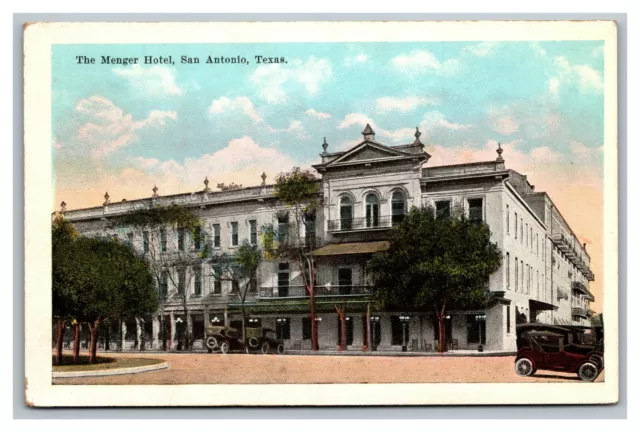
x=101, y=363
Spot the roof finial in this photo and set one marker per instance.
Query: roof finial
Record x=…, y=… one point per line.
x=499, y=151
x=63, y=207
x=368, y=133
x=264, y=178
x=206, y=185
x=155, y=191
x=106, y=198
x=417, y=135
x=324, y=146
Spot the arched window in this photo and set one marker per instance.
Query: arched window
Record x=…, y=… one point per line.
x=398, y=207
x=346, y=213
x=372, y=211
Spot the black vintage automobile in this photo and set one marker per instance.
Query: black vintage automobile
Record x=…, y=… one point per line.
x=556, y=348
x=264, y=341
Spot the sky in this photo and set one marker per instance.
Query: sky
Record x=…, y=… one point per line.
x=125, y=128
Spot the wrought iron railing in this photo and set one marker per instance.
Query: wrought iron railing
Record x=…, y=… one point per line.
x=363, y=223
x=579, y=312
x=319, y=291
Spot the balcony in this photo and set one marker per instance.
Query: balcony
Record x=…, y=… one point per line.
x=581, y=312
x=320, y=291
x=579, y=287
x=363, y=224
x=564, y=244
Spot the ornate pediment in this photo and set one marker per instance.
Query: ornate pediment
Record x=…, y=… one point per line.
x=367, y=151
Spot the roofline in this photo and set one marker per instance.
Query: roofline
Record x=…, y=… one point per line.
x=522, y=201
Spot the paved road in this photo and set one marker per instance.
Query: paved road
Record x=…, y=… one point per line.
x=293, y=369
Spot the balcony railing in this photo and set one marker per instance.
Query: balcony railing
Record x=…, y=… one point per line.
x=580, y=287
x=579, y=312
x=319, y=291
x=363, y=223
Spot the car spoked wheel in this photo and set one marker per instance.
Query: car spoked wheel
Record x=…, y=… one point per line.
x=524, y=367
x=211, y=344
x=588, y=372
x=280, y=349
x=265, y=348
x=224, y=347
x=254, y=342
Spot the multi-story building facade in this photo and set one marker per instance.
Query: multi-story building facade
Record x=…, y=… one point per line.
x=365, y=190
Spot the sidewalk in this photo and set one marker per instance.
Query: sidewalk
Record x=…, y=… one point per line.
x=394, y=353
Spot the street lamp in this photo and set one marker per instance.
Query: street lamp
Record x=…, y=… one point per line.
x=479, y=319
x=215, y=320
x=318, y=320
x=374, y=322
x=404, y=319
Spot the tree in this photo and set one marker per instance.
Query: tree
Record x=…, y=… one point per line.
x=298, y=191
x=113, y=282
x=435, y=263
x=170, y=257
x=241, y=269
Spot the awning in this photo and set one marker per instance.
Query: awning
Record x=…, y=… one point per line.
x=352, y=248
x=562, y=321
x=301, y=306
x=540, y=305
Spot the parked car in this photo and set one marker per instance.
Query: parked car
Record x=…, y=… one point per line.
x=264, y=341
x=555, y=348
x=223, y=339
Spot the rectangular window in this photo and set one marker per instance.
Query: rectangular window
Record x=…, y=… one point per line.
x=531, y=238
x=164, y=284
x=526, y=284
x=145, y=241
x=507, y=264
x=253, y=232
x=234, y=233
x=197, y=238
x=235, y=287
x=508, y=319
x=537, y=245
x=475, y=210
x=396, y=330
x=130, y=239
x=516, y=222
x=544, y=249
x=283, y=279
x=476, y=329
x=521, y=231
x=310, y=229
x=443, y=209
x=522, y=274
x=217, y=281
x=283, y=227
x=345, y=280
x=348, y=322
x=283, y=328
x=180, y=239
x=216, y=235
x=182, y=280
x=538, y=283
x=516, y=270
x=163, y=240
x=306, y=328
x=508, y=222
x=526, y=231
x=197, y=282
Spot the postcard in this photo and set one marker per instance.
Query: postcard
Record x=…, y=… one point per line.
x=321, y=213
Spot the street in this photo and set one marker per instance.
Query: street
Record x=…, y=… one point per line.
x=201, y=368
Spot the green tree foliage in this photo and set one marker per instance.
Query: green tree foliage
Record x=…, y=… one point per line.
x=435, y=264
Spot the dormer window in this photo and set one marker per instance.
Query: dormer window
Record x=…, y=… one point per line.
x=372, y=211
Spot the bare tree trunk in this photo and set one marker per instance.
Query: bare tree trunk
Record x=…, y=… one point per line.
x=76, y=343
x=343, y=332
x=314, y=324
x=244, y=319
x=367, y=341
x=59, y=339
x=93, y=344
x=441, y=333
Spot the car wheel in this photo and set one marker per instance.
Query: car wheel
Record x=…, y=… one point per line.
x=265, y=348
x=211, y=344
x=524, y=367
x=254, y=342
x=588, y=372
x=280, y=349
x=224, y=347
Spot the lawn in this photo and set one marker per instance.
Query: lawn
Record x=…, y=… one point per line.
x=102, y=363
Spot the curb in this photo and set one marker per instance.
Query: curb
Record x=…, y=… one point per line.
x=400, y=354
x=108, y=372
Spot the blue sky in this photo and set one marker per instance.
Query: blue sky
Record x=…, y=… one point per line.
x=171, y=123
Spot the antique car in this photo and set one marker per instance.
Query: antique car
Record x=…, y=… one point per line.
x=264, y=341
x=223, y=339
x=555, y=348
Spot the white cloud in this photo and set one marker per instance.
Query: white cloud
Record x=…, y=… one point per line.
x=435, y=119
x=538, y=49
x=554, y=86
x=584, y=77
x=362, y=120
x=482, y=49
x=109, y=128
x=420, y=61
x=502, y=121
x=239, y=103
x=271, y=79
x=153, y=79
x=358, y=59
x=598, y=51
x=410, y=103
x=320, y=115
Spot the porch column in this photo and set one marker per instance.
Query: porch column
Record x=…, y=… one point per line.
x=155, y=331
x=172, y=332
x=206, y=317
x=139, y=333
x=226, y=317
